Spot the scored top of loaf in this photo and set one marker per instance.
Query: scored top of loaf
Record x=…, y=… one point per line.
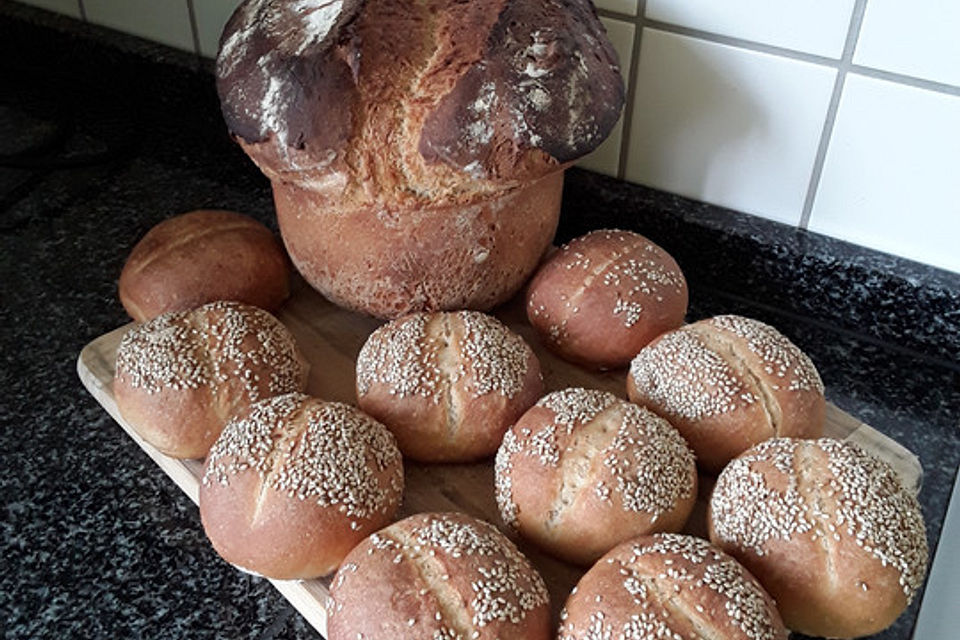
x=387, y=99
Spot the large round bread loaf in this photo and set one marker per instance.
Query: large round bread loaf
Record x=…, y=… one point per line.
x=444, y=143
x=727, y=383
x=200, y=257
x=438, y=576
x=583, y=470
x=827, y=529
x=181, y=376
x=292, y=486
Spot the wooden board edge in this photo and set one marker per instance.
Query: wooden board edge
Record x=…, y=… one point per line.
x=309, y=597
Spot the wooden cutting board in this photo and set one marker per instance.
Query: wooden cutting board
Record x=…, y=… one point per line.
x=331, y=338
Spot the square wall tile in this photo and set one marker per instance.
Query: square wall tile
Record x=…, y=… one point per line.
x=211, y=16
x=917, y=38
x=164, y=21
x=889, y=181
x=606, y=158
x=813, y=26
x=66, y=7
x=628, y=7
x=726, y=125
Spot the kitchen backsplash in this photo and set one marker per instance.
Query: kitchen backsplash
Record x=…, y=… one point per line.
x=838, y=116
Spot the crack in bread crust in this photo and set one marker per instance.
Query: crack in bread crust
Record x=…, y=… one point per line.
x=452, y=608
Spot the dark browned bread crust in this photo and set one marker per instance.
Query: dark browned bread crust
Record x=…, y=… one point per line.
x=493, y=89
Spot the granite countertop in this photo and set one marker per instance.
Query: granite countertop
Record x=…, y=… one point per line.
x=98, y=542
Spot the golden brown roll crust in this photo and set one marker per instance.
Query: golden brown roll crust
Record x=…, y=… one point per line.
x=200, y=257
x=291, y=487
x=582, y=471
x=438, y=575
x=669, y=586
x=603, y=296
x=181, y=376
x=390, y=262
x=447, y=384
x=828, y=530
x=728, y=383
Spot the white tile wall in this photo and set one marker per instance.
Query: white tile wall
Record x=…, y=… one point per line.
x=606, y=159
x=752, y=104
x=729, y=126
x=619, y=6
x=814, y=26
x=918, y=38
x=67, y=7
x=211, y=15
x=890, y=180
x=165, y=21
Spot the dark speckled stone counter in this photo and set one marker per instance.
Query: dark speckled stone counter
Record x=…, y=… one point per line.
x=97, y=542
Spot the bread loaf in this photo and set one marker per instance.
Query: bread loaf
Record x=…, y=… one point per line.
x=292, y=486
x=669, y=586
x=438, y=575
x=447, y=384
x=181, y=376
x=204, y=256
x=603, y=296
x=728, y=383
x=445, y=145
x=828, y=530
x=582, y=471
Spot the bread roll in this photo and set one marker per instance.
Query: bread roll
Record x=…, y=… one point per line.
x=181, y=376
x=447, y=384
x=291, y=487
x=200, y=257
x=603, y=296
x=728, y=383
x=669, y=586
x=583, y=471
x=828, y=530
x=438, y=575
x=445, y=146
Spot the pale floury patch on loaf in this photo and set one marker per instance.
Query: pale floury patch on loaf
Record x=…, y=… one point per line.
x=872, y=509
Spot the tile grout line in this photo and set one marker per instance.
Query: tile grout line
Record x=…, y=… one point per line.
x=845, y=66
x=193, y=27
x=910, y=81
x=631, y=89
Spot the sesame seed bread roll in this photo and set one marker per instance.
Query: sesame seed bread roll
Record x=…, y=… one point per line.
x=181, y=376
x=829, y=531
x=582, y=471
x=447, y=384
x=669, y=586
x=420, y=172
x=728, y=383
x=441, y=576
x=290, y=488
x=200, y=257
x=604, y=296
